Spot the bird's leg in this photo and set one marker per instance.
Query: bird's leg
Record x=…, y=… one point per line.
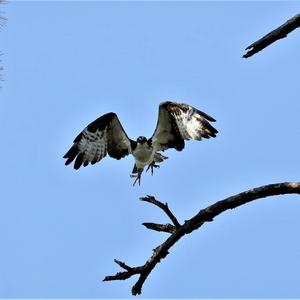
x=137, y=177
x=151, y=166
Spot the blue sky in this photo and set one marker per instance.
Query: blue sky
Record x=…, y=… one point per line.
x=67, y=63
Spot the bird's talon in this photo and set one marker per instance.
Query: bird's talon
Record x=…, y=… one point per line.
x=137, y=178
x=151, y=166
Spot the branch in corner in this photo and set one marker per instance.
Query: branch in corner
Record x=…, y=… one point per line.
x=279, y=33
x=203, y=216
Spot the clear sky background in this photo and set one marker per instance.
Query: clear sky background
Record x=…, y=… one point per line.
x=67, y=63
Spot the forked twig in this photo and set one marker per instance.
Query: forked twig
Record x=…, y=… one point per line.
x=204, y=215
x=164, y=207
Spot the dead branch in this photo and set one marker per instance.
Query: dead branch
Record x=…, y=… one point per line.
x=279, y=33
x=204, y=215
x=169, y=228
x=164, y=207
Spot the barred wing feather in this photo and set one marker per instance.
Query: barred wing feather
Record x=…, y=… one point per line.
x=178, y=122
x=103, y=136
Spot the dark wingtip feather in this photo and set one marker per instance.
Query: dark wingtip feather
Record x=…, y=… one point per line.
x=78, y=161
x=68, y=161
x=78, y=138
x=206, y=116
x=211, y=131
x=214, y=132
x=71, y=154
x=205, y=136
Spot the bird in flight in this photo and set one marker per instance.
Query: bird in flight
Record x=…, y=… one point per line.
x=176, y=123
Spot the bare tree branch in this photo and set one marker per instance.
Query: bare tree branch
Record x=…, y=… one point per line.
x=160, y=227
x=279, y=33
x=164, y=207
x=204, y=215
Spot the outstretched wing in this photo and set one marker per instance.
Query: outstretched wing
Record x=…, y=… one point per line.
x=104, y=135
x=178, y=122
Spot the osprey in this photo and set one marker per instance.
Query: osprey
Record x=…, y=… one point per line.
x=176, y=123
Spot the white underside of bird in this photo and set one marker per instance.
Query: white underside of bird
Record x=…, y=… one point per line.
x=145, y=155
